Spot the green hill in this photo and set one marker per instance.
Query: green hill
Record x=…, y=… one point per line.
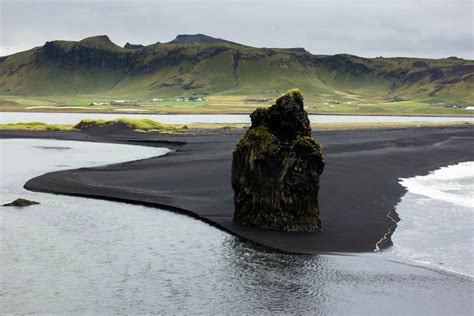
x=96, y=68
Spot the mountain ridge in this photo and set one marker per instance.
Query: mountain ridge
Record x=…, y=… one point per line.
x=206, y=65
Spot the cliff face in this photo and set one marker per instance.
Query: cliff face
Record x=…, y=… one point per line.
x=133, y=46
x=276, y=169
x=96, y=65
x=97, y=52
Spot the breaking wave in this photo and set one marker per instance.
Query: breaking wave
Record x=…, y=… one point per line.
x=437, y=219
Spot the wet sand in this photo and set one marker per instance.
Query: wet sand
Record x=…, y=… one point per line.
x=359, y=188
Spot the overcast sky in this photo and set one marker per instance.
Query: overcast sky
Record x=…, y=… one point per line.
x=421, y=28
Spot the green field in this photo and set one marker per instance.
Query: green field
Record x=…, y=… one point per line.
x=68, y=76
x=229, y=104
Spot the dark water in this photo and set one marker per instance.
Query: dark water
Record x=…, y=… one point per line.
x=84, y=256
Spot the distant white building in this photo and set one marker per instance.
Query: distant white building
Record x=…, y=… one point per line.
x=469, y=108
x=123, y=101
x=190, y=99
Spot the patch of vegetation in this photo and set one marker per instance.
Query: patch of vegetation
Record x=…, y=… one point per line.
x=144, y=125
x=35, y=126
x=88, y=124
x=291, y=93
x=25, y=101
x=260, y=133
x=7, y=102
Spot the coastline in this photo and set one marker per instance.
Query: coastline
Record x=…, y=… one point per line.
x=195, y=180
x=79, y=111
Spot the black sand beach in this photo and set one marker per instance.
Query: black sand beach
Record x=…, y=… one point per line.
x=359, y=187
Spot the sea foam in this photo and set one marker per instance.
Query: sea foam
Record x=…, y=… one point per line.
x=437, y=218
x=453, y=184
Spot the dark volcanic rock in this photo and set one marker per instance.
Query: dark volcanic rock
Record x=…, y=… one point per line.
x=94, y=52
x=276, y=169
x=195, y=39
x=21, y=203
x=133, y=46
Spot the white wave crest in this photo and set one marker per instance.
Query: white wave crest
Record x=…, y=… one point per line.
x=454, y=184
x=436, y=219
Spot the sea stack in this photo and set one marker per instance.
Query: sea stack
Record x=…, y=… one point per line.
x=276, y=169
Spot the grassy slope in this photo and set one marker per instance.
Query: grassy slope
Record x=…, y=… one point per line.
x=95, y=69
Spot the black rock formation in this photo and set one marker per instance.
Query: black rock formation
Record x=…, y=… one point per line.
x=21, y=203
x=195, y=39
x=133, y=46
x=276, y=169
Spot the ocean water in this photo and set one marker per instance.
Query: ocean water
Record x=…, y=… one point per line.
x=73, y=118
x=437, y=219
x=73, y=255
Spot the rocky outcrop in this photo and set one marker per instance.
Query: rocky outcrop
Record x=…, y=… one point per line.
x=195, y=39
x=21, y=203
x=133, y=46
x=94, y=52
x=276, y=169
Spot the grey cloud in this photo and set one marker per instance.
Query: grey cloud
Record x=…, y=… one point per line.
x=423, y=28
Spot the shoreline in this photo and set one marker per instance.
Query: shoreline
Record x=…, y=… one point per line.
x=193, y=180
x=221, y=128
x=73, y=111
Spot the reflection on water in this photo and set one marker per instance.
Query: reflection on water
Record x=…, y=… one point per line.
x=53, y=147
x=278, y=282
x=78, y=255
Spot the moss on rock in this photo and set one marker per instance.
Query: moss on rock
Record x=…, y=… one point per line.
x=291, y=94
x=276, y=169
